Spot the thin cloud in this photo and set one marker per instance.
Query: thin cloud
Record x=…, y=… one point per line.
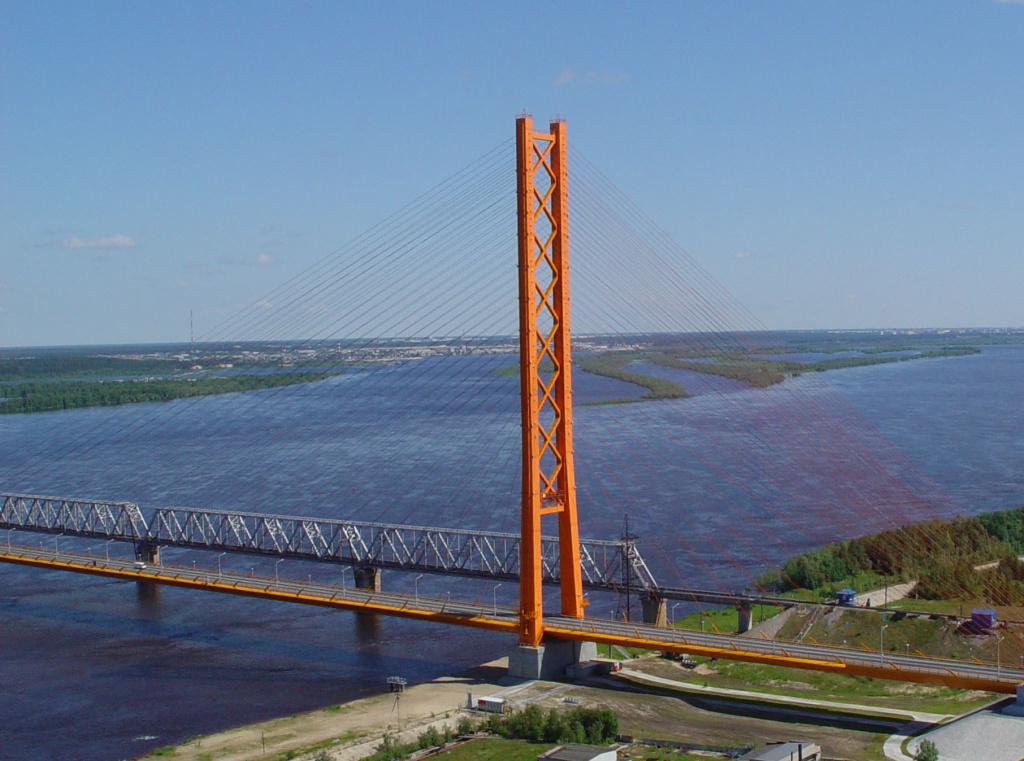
x=260, y=260
x=264, y=305
x=743, y=255
x=575, y=78
x=111, y=241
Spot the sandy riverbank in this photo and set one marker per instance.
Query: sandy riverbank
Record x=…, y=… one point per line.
x=350, y=731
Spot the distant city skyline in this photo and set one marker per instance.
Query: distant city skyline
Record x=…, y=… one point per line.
x=832, y=165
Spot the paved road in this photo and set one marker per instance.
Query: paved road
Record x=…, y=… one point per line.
x=885, y=665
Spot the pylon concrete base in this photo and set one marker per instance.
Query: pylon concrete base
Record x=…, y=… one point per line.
x=549, y=660
x=1016, y=708
x=655, y=611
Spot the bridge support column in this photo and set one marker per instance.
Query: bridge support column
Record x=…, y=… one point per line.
x=368, y=578
x=745, y=616
x=1016, y=708
x=549, y=660
x=147, y=552
x=654, y=610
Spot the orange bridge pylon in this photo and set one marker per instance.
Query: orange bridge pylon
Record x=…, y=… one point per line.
x=549, y=485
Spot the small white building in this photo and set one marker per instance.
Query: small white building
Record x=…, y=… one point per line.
x=579, y=752
x=492, y=705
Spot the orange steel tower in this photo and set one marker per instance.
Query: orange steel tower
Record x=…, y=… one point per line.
x=549, y=484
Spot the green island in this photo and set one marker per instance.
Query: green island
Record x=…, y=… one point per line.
x=757, y=360
x=65, y=395
x=745, y=366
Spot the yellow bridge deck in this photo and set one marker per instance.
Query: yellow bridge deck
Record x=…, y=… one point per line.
x=841, y=660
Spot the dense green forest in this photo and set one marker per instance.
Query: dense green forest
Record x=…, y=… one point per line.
x=942, y=555
x=63, y=395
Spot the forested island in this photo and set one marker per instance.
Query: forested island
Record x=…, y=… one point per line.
x=761, y=360
x=748, y=367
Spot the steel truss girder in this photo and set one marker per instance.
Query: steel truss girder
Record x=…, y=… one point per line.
x=73, y=517
x=421, y=549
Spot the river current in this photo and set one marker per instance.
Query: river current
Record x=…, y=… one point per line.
x=718, y=487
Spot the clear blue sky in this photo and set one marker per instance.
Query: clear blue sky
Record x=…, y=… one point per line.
x=832, y=164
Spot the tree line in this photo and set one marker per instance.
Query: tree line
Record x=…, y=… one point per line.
x=941, y=555
x=596, y=726
x=65, y=395
x=70, y=365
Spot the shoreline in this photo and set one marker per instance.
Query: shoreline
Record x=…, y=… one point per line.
x=349, y=731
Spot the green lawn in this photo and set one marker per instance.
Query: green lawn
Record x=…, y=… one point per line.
x=496, y=749
x=778, y=680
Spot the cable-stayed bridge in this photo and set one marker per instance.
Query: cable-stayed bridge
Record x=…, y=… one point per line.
x=546, y=464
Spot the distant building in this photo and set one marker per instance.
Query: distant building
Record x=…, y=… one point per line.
x=787, y=751
x=578, y=752
x=845, y=596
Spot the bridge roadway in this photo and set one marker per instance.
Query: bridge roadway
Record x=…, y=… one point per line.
x=840, y=660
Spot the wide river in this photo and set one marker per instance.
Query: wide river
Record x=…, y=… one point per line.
x=719, y=487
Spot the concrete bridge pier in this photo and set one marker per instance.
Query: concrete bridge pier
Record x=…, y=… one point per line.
x=548, y=660
x=745, y=616
x=367, y=578
x=147, y=552
x=654, y=611
x=1017, y=707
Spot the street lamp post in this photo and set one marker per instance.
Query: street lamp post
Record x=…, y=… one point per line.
x=277, y=577
x=219, y=573
x=494, y=599
x=674, y=606
x=9, y=538
x=106, y=550
x=908, y=649
x=344, y=570
x=880, y=633
x=999, y=641
x=416, y=588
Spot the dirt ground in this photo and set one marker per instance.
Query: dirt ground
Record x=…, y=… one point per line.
x=350, y=731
